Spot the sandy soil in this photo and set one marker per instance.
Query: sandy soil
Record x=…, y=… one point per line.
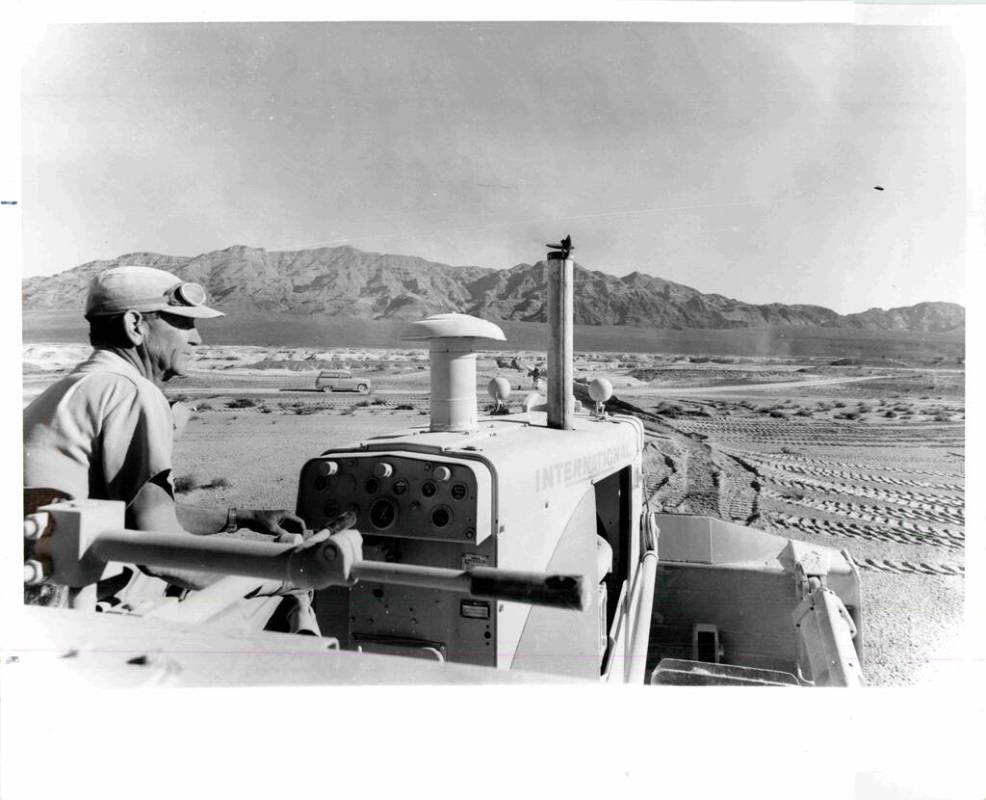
x=866, y=460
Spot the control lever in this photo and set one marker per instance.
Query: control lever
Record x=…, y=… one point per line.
x=87, y=534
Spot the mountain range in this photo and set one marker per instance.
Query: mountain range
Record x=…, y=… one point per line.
x=344, y=281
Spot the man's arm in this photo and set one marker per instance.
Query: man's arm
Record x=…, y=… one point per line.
x=205, y=521
x=153, y=509
x=201, y=521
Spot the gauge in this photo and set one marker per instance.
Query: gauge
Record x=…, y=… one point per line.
x=383, y=513
x=459, y=491
x=400, y=486
x=441, y=516
x=428, y=488
x=371, y=486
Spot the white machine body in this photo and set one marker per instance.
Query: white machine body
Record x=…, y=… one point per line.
x=513, y=494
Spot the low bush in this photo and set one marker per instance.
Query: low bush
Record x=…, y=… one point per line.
x=241, y=402
x=185, y=483
x=403, y=407
x=776, y=413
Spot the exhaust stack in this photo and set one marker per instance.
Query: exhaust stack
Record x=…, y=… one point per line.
x=452, y=339
x=561, y=312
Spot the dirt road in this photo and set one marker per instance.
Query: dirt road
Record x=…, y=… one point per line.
x=751, y=387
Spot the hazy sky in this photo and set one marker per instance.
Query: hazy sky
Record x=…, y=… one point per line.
x=738, y=159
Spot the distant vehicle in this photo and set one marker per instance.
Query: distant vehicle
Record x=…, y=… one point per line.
x=341, y=380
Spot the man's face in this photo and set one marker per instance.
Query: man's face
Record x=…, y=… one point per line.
x=169, y=343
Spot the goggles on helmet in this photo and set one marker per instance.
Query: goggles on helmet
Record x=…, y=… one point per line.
x=186, y=294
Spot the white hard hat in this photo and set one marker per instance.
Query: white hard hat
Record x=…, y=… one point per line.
x=127, y=288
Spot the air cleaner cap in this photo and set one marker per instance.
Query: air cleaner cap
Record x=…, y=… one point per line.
x=452, y=326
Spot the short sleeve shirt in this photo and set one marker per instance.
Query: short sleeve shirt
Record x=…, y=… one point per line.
x=101, y=432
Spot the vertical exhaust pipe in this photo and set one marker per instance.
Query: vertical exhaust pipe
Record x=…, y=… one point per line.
x=561, y=312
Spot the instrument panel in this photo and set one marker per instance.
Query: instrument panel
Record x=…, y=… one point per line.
x=399, y=495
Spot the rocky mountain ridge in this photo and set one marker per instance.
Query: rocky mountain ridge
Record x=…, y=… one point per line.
x=344, y=281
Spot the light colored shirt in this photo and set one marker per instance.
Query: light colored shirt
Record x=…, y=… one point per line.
x=101, y=432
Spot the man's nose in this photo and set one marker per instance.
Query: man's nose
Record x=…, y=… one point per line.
x=195, y=337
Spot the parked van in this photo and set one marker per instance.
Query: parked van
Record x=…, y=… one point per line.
x=341, y=380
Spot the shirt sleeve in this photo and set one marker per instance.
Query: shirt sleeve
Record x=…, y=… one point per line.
x=136, y=443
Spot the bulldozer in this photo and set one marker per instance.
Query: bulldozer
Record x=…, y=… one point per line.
x=517, y=546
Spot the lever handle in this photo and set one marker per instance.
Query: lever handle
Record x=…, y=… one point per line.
x=559, y=591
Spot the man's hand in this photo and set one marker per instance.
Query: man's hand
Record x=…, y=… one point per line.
x=273, y=522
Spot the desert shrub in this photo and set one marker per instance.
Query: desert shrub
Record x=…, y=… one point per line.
x=186, y=483
x=890, y=414
x=669, y=410
x=263, y=409
x=864, y=409
x=378, y=401
x=763, y=409
x=776, y=413
x=803, y=412
x=404, y=407
x=203, y=407
x=789, y=451
x=839, y=404
x=848, y=415
x=216, y=483
x=362, y=404
x=423, y=413
x=942, y=418
x=902, y=407
x=241, y=402
x=793, y=494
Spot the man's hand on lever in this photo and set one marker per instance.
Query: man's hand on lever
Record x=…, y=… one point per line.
x=275, y=522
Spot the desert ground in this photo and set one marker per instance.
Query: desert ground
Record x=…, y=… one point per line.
x=856, y=455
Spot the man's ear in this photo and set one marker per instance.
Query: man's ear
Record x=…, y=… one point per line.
x=132, y=328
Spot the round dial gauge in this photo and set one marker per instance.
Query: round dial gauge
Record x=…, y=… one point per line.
x=383, y=513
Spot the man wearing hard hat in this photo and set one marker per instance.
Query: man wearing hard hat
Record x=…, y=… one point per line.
x=105, y=431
